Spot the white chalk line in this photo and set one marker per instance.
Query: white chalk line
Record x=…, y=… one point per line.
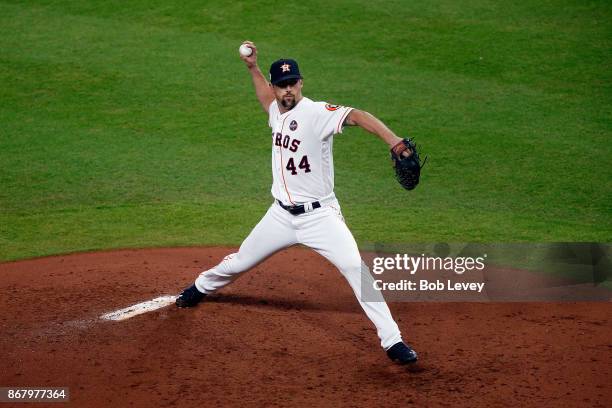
x=139, y=308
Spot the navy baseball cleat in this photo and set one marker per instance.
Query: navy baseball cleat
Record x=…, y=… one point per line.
x=190, y=297
x=402, y=353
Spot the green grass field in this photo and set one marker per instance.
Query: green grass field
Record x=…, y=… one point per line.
x=132, y=124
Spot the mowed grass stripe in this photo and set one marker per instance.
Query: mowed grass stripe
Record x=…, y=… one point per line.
x=148, y=105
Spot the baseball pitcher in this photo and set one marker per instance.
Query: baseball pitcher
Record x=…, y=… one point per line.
x=305, y=210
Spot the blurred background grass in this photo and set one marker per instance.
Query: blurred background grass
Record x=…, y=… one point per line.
x=131, y=124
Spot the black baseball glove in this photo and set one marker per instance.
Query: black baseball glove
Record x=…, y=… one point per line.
x=407, y=163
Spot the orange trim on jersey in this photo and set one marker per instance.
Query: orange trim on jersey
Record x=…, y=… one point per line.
x=282, y=165
x=342, y=120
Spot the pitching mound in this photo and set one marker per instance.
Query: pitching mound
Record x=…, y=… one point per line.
x=288, y=333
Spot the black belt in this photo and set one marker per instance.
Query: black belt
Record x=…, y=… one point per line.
x=298, y=209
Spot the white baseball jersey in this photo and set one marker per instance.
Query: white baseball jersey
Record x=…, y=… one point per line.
x=302, y=160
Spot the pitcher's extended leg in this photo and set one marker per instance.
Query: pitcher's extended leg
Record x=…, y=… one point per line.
x=273, y=233
x=325, y=232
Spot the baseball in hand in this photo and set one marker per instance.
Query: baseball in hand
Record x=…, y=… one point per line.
x=245, y=50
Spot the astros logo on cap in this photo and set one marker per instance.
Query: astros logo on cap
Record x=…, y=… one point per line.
x=283, y=69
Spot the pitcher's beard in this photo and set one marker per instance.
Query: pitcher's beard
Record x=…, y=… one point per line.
x=288, y=103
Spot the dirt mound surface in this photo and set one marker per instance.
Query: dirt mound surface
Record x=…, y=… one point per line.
x=287, y=333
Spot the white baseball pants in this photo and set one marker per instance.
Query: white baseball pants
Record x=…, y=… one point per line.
x=324, y=231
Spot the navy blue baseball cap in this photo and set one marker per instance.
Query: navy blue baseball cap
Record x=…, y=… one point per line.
x=284, y=69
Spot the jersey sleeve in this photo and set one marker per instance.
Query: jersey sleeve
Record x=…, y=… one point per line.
x=272, y=113
x=330, y=119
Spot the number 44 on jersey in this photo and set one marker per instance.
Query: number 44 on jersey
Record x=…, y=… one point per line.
x=286, y=142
